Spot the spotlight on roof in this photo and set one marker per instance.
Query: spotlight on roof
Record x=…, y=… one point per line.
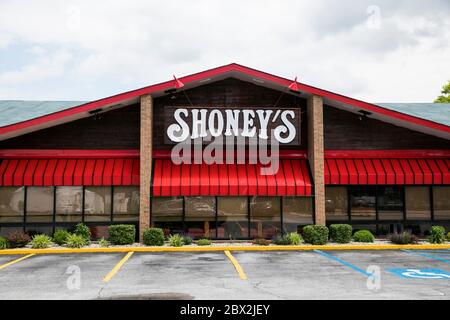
x=364, y=114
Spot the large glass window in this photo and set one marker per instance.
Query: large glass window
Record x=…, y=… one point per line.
x=97, y=204
x=265, y=213
x=362, y=202
x=232, y=217
x=297, y=212
x=11, y=204
x=126, y=204
x=39, y=204
x=200, y=215
x=69, y=204
x=390, y=203
x=167, y=213
x=441, y=202
x=417, y=204
x=336, y=203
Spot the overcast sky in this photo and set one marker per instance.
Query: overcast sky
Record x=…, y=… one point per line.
x=377, y=51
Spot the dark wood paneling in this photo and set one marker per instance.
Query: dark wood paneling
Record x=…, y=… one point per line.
x=344, y=130
x=117, y=129
x=230, y=93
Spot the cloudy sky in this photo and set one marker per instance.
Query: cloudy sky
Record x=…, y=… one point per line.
x=377, y=51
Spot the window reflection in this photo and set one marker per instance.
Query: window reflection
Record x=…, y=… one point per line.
x=11, y=204
x=265, y=213
x=69, y=202
x=362, y=202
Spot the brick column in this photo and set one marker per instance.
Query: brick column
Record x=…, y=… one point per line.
x=316, y=154
x=146, y=144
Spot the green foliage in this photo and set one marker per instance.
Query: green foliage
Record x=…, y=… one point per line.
x=261, y=242
x=18, y=239
x=295, y=238
x=341, y=233
x=363, y=236
x=103, y=243
x=315, y=234
x=445, y=97
x=75, y=241
x=153, y=237
x=41, y=241
x=448, y=236
x=175, y=240
x=403, y=238
x=204, y=242
x=3, y=243
x=83, y=230
x=437, y=234
x=282, y=240
x=187, y=240
x=60, y=236
x=122, y=234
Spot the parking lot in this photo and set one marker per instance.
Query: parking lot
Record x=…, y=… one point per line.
x=238, y=275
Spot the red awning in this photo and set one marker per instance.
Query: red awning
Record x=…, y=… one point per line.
x=69, y=172
x=170, y=179
x=387, y=171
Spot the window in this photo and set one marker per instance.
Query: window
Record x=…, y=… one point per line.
x=336, y=203
x=417, y=202
x=97, y=204
x=441, y=203
x=69, y=204
x=297, y=211
x=11, y=204
x=126, y=203
x=390, y=203
x=200, y=216
x=265, y=213
x=232, y=217
x=362, y=202
x=167, y=213
x=39, y=204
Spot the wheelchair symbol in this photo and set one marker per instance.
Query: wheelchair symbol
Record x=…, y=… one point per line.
x=421, y=273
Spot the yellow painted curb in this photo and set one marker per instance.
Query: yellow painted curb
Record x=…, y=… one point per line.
x=228, y=248
x=236, y=265
x=117, y=267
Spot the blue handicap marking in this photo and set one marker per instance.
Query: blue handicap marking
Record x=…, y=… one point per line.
x=413, y=273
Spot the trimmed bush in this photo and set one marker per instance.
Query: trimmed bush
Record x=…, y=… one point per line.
x=281, y=240
x=153, y=237
x=403, y=238
x=121, y=234
x=204, y=242
x=437, y=234
x=295, y=238
x=448, y=236
x=103, y=243
x=41, y=241
x=3, y=243
x=176, y=240
x=187, y=240
x=60, y=236
x=315, y=234
x=363, y=236
x=83, y=230
x=75, y=241
x=261, y=242
x=341, y=233
x=18, y=239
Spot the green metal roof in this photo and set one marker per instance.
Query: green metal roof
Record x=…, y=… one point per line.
x=436, y=112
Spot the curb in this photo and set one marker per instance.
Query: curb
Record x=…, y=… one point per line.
x=229, y=248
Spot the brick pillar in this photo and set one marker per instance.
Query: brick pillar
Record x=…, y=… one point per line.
x=316, y=154
x=145, y=162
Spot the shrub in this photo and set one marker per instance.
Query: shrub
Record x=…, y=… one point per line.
x=41, y=241
x=403, y=238
x=153, y=237
x=3, y=243
x=121, y=234
x=18, y=239
x=176, y=240
x=204, y=242
x=341, y=233
x=83, y=230
x=261, y=242
x=282, y=240
x=103, y=243
x=75, y=241
x=448, y=236
x=363, y=236
x=437, y=234
x=187, y=240
x=295, y=238
x=60, y=236
x=315, y=234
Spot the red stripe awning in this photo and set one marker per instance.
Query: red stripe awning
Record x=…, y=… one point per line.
x=69, y=172
x=169, y=179
x=387, y=171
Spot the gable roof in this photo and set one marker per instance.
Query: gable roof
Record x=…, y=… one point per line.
x=383, y=113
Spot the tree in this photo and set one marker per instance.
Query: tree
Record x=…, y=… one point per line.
x=445, y=97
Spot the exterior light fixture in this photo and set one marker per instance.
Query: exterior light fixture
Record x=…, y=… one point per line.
x=293, y=87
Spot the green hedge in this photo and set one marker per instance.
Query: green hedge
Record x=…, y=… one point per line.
x=153, y=237
x=315, y=234
x=3, y=243
x=437, y=234
x=363, y=236
x=121, y=234
x=60, y=236
x=341, y=233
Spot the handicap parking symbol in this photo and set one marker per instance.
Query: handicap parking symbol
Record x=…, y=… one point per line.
x=413, y=273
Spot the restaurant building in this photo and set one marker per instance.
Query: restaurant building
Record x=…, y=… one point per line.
x=382, y=167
